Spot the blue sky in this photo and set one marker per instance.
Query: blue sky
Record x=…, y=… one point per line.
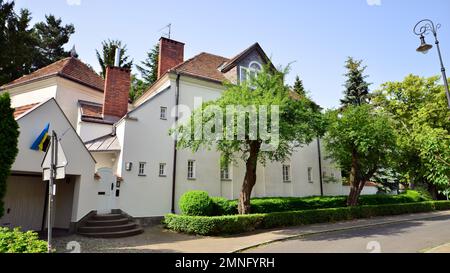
x=317, y=35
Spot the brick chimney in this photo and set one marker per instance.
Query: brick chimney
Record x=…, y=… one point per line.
x=171, y=54
x=117, y=88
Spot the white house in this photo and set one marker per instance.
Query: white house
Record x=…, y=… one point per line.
x=139, y=171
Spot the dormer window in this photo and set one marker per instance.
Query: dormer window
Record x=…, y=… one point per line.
x=250, y=72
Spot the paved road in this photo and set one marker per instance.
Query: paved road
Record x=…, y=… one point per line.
x=407, y=237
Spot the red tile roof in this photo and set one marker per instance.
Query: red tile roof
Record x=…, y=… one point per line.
x=93, y=112
x=204, y=65
x=19, y=111
x=69, y=68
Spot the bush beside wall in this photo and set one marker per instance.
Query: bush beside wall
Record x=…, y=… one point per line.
x=16, y=241
x=280, y=204
x=221, y=225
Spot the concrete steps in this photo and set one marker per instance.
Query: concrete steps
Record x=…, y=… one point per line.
x=109, y=226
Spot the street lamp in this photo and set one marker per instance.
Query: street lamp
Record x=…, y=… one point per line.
x=421, y=29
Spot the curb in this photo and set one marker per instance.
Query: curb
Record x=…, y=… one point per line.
x=306, y=234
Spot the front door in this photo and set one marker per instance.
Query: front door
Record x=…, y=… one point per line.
x=105, y=191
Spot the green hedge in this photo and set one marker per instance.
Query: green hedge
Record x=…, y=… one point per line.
x=280, y=204
x=232, y=224
x=196, y=203
x=16, y=241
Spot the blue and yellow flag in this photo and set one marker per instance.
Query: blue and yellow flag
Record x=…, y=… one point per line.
x=42, y=142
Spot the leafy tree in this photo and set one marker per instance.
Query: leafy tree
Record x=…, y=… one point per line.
x=298, y=87
x=107, y=56
x=26, y=48
x=298, y=125
x=356, y=88
x=17, y=43
x=362, y=140
x=419, y=108
x=138, y=87
x=149, y=67
x=9, y=134
x=52, y=36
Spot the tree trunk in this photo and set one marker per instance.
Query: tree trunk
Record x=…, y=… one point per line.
x=249, y=179
x=352, y=199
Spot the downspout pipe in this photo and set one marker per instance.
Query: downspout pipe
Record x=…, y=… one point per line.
x=320, y=166
x=175, y=142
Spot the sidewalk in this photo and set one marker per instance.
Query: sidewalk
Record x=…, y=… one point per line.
x=157, y=239
x=440, y=249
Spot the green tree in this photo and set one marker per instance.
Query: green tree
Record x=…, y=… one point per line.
x=419, y=108
x=52, y=36
x=138, y=87
x=356, y=88
x=298, y=87
x=17, y=43
x=298, y=125
x=107, y=56
x=9, y=134
x=26, y=48
x=362, y=140
x=149, y=67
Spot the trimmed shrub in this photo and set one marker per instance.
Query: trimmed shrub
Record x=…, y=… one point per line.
x=281, y=204
x=15, y=241
x=220, y=225
x=196, y=203
x=222, y=206
x=217, y=225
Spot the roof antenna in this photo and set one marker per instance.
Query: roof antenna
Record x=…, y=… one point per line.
x=167, y=34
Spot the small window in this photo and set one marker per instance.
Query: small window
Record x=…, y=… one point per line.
x=163, y=113
x=286, y=173
x=310, y=175
x=142, y=168
x=243, y=74
x=225, y=173
x=191, y=169
x=162, y=169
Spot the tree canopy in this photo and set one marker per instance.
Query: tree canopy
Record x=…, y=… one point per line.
x=107, y=55
x=26, y=48
x=9, y=133
x=149, y=67
x=360, y=139
x=419, y=108
x=292, y=121
x=356, y=88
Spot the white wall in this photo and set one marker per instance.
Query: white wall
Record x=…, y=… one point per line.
x=90, y=130
x=146, y=139
x=80, y=162
x=69, y=93
x=35, y=92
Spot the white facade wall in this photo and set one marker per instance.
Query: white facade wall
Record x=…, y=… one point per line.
x=35, y=92
x=65, y=92
x=80, y=163
x=144, y=138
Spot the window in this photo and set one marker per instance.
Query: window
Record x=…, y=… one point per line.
x=191, y=169
x=162, y=169
x=163, y=113
x=286, y=173
x=310, y=175
x=249, y=72
x=142, y=168
x=225, y=173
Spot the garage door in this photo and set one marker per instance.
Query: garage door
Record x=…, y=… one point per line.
x=24, y=203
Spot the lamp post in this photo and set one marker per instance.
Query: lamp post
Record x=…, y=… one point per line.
x=421, y=29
